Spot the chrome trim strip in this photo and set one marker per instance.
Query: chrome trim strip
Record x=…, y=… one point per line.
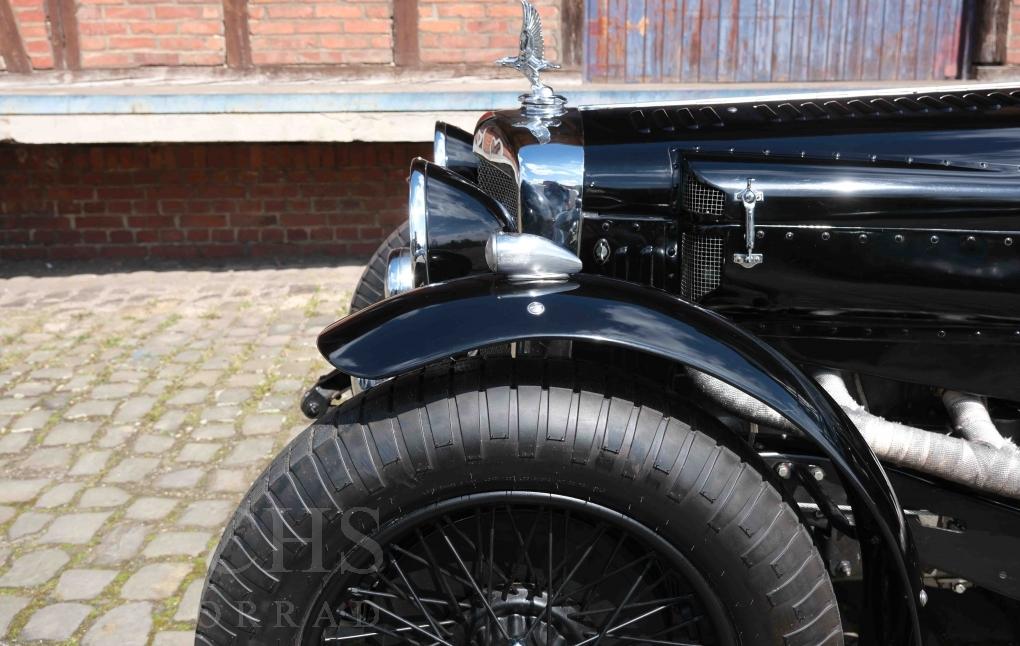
x=439, y=145
x=417, y=216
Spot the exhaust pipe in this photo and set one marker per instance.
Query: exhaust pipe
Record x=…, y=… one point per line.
x=989, y=463
x=738, y=402
x=971, y=419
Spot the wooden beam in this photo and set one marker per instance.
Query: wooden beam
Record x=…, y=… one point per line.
x=235, y=31
x=405, y=33
x=572, y=31
x=11, y=46
x=63, y=20
x=992, y=32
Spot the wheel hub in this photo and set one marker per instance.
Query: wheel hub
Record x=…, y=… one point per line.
x=524, y=619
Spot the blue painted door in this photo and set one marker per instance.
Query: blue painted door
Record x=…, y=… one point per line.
x=710, y=41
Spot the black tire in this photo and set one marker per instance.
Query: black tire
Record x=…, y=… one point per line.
x=501, y=425
x=370, y=286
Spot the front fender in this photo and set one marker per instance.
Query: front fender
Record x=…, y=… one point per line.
x=435, y=322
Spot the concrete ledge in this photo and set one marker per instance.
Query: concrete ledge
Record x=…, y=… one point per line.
x=265, y=127
x=323, y=111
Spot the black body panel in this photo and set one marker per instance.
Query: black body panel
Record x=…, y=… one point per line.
x=890, y=225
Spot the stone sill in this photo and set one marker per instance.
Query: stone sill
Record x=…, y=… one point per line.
x=110, y=109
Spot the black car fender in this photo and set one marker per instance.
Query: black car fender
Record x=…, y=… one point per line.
x=432, y=323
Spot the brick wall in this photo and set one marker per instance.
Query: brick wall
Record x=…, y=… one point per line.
x=1013, y=42
x=127, y=33
x=287, y=32
x=200, y=200
x=480, y=31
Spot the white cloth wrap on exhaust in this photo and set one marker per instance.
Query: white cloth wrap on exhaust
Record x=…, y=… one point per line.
x=977, y=464
x=971, y=419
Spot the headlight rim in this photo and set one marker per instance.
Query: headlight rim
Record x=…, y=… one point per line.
x=417, y=217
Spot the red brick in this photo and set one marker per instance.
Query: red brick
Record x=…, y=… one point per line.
x=98, y=222
x=203, y=221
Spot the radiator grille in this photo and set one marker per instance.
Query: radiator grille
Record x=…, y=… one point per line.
x=701, y=198
x=701, y=265
x=498, y=184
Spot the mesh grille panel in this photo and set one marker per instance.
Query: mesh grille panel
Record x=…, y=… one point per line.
x=701, y=266
x=702, y=198
x=498, y=185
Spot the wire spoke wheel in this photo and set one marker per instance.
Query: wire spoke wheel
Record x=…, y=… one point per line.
x=520, y=569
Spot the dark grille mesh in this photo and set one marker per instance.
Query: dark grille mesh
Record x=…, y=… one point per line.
x=498, y=184
x=702, y=198
x=701, y=265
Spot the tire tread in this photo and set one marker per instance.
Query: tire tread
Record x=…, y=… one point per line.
x=392, y=435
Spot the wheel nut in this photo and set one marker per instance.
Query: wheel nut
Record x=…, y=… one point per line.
x=817, y=473
x=959, y=588
x=845, y=568
x=784, y=470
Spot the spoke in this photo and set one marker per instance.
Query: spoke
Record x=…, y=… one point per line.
x=474, y=547
x=417, y=599
x=492, y=558
x=605, y=577
x=605, y=568
x=406, y=623
x=432, y=565
x=671, y=601
x=375, y=627
x=522, y=546
x=389, y=595
x=619, y=608
x=682, y=624
x=633, y=621
x=552, y=598
x=442, y=585
x=657, y=642
x=580, y=562
x=395, y=633
x=474, y=585
x=492, y=545
x=548, y=583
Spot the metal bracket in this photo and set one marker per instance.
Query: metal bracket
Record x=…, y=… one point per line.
x=749, y=198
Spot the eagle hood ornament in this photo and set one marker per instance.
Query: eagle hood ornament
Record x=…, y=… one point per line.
x=531, y=63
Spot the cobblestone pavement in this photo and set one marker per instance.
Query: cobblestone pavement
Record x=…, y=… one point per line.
x=135, y=409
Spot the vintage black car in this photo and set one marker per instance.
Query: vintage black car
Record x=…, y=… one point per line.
x=716, y=372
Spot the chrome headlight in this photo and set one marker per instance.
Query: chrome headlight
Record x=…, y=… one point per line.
x=399, y=273
x=450, y=220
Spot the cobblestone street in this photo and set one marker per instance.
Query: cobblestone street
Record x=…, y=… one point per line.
x=135, y=409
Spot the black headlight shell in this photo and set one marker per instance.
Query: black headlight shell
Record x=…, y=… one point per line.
x=453, y=148
x=450, y=219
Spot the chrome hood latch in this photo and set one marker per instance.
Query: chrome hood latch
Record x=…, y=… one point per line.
x=749, y=198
